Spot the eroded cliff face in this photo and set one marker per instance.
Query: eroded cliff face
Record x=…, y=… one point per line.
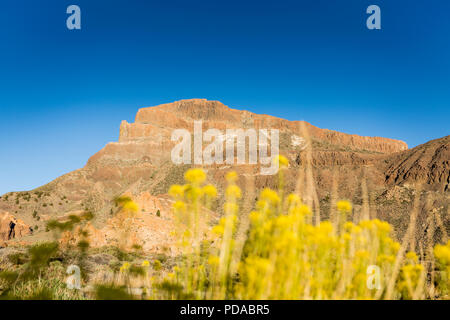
x=146, y=144
x=155, y=123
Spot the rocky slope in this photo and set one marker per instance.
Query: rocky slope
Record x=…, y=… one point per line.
x=12, y=228
x=428, y=163
x=139, y=164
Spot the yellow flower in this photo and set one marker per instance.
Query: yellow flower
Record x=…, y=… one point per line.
x=348, y=226
x=346, y=236
x=283, y=162
x=187, y=234
x=196, y=176
x=383, y=226
x=411, y=256
x=357, y=229
x=385, y=258
x=179, y=205
x=231, y=176
x=213, y=260
x=131, y=206
x=145, y=263
x=233, y=191
x=171, y=275
x=157, y=265
x=218, y=230
x=442, y=253
x=395, y=246
x=294, y=200
x=173, y=233
x=363, y=254
x=125, y=267
x=344, y=206
x=255, y=216
x=326, y=227
x=193, y=193
x=210, y=191
x=304, y=209
x=176, y=191
x=270, y=195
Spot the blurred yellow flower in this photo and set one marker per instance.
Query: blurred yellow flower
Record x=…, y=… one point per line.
x=218, y=230
x=176, y=191
x=344, y=206
x=196, y=176
x=411, y=256
x=293, y=200
x=210, y=191
x=131, y=206
x=213, y=260
x=304, y=209
x=157, y=265
x=283, y=162
x=270, y=195
x=255, y=216
x=231, y=176
x=382, y=226
x=187, y=234
x=442, y=253
x=125, y=267
x=193, y=193
x=233, y=191
x=179, y=205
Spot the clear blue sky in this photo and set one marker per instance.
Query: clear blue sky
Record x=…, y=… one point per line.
x=63, y=93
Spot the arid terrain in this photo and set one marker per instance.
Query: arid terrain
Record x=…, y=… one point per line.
x=379, y=175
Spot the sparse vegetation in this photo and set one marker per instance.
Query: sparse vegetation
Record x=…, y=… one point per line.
x=280, y=251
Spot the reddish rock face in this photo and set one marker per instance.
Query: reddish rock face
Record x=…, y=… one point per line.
x=145, y=145
x=150, y=227
x=153, y=127
x=12, y=228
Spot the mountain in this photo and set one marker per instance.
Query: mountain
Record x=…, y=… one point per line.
x=428, y=163
x=323, y=164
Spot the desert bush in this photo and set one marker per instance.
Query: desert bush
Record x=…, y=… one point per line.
x=278, y=251
x=17, y=258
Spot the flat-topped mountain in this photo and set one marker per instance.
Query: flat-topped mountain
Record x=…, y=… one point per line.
x=181, y=114
x=140, y=165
